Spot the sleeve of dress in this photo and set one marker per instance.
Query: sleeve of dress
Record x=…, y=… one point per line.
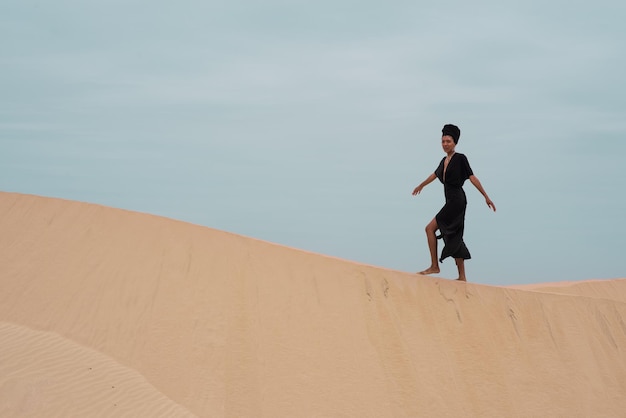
x=467, y=170
x=439, y=170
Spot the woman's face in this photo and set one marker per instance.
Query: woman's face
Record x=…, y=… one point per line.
x=447, y=143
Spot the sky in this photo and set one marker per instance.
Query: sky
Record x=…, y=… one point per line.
x=308, y=124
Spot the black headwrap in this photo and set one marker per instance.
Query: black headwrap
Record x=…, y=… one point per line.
x=453, y=131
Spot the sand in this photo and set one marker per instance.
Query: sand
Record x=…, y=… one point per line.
x=106, y=312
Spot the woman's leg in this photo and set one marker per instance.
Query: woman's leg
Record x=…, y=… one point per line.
x=460, y=265
x=431, y=228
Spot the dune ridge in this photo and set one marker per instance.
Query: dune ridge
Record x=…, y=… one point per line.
x=209, y=323
x=48, y=374
x=599, y=289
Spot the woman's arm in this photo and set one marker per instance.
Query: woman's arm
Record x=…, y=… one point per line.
x=482, y=191
x=423, y=184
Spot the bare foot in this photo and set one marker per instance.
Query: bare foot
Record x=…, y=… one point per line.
x=430, y=270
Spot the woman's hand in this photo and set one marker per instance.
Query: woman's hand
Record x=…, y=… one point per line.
x=423, y=184
x=479, y=186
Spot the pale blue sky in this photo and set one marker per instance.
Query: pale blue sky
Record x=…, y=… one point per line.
x=308, y=124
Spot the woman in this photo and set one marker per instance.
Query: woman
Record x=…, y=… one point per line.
x=453, y=170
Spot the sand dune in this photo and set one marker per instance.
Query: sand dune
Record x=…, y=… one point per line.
x=601, y=289
x=43, y=374
x=106, y=312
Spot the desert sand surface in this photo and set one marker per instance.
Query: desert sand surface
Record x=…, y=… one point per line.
x=109, y=313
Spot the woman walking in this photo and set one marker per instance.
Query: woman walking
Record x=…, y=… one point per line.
x=453, y=170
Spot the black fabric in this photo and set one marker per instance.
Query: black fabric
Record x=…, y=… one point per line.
x=451, y=218
x=453, y=131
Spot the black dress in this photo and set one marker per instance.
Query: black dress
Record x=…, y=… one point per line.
x=451, y=218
